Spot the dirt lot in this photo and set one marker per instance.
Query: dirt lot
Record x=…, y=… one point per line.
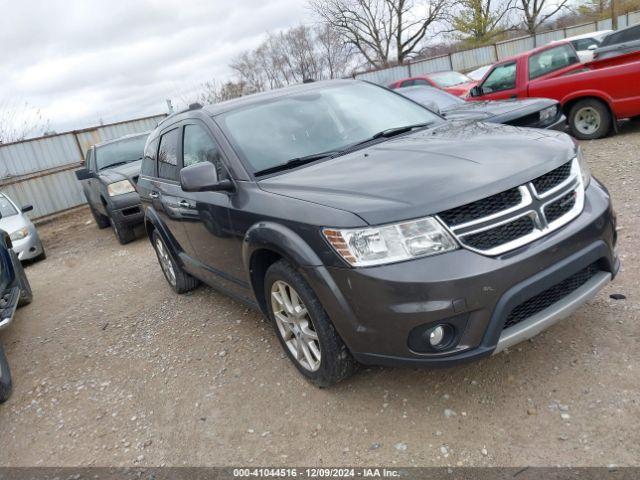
x=111, y=368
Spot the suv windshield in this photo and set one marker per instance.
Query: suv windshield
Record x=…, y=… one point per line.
x=123, y=151
x=332, y=118
x=6, y=207
x=424, y=94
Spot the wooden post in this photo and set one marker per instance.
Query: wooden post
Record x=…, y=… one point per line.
x=614, y=19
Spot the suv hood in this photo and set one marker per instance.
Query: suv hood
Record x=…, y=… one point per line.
x=426, y=172
x=128, y=171
x=488, y=109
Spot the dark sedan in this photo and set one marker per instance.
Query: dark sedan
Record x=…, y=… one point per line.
x=530, y=112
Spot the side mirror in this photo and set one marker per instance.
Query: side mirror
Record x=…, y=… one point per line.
x=476, y=91
x=592, y=47
x=202, y=177
x=433, y=106
x=84, y=174
x=26, y=208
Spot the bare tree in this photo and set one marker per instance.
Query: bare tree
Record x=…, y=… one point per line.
x=336, y=56
x=480, y=21
x=19, y=121
x=381, y=29
x=536, y=12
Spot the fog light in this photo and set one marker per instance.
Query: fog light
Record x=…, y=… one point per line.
x=436, y=336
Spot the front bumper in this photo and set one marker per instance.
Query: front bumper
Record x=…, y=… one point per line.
x=560, y=124
x=377, y=309
x=126, y=209
x=28, y=247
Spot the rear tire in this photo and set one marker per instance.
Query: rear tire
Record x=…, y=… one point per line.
x=124, y=233
x=304, y=328
x=5, y=377
x=101, y=220
x=589, y=119
x=179, y=280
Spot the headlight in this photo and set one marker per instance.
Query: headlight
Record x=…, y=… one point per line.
x=363, y=247
x=19, y=234
x=584, y=168
x=120, y=188
x=548, y=114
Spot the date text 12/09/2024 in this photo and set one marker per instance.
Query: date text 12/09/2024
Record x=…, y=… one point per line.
x=316, y=472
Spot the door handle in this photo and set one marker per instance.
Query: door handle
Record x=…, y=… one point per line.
x=154, y=194
x=184, y=204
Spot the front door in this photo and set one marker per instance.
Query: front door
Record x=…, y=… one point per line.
x=500, y=84
x=208, y=222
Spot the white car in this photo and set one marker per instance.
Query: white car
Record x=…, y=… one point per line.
x=24, y=236
x=479, y=73
x=586, y=43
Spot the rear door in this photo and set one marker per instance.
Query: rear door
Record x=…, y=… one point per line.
x=166, y=194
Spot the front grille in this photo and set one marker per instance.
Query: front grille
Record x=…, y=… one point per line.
x=482, y=208
x=552, y=179
x=510, y=219
x=499, y=235
x=560, y=207
x=550, y=296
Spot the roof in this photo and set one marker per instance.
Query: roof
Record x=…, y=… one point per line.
x=124, y=137
x=589, y=35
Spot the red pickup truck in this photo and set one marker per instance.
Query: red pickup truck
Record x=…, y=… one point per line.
x=593, y=96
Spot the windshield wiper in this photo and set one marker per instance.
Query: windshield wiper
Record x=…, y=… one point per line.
x=296, y=162
x=388, y=133
x=117, y=164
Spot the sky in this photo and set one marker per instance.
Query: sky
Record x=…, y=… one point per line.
x=84, y=61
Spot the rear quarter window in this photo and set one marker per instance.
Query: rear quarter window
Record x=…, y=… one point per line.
x=168, y=155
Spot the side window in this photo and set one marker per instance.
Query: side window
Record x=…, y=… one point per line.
x=630, y=35
x=420, y=81
x=503, y=77
x=149, y=160
x=551, y=60
x=408, y=83
x=198, y=146
x=168, y=155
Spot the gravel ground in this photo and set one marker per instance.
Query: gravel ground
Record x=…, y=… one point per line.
x=111, y=368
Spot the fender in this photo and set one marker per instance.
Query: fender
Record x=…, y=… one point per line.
x=589, y=93
x=151, y=217
x=280, y=239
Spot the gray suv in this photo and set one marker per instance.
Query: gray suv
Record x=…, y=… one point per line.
x=370, y=230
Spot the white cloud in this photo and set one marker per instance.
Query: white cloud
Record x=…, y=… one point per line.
x=81, y=60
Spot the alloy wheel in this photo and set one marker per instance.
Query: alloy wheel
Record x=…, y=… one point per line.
x=165, y=262
x=295, y=325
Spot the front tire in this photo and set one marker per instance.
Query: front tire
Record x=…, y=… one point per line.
x=124, y=233
x=304, y=329
x=21, y=281
x=101, y=220
x=589, y=119
x=5, y=377
x=180, y=281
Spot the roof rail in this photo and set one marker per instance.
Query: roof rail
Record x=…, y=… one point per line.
x=192, y=106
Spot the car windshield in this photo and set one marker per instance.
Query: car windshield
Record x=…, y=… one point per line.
x=449, y=79
x=330, y=118
x=6, y=207
x=122, y=151
x=426, y=95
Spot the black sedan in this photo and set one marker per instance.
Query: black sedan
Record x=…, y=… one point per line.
x=528, y=112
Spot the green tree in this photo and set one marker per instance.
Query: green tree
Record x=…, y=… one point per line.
x=481, y=21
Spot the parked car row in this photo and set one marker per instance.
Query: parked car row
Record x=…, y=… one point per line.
x=593, y=77
x=363, y=225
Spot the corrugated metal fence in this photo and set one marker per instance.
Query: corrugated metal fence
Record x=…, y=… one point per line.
x=471, y=59
x=40, y=171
